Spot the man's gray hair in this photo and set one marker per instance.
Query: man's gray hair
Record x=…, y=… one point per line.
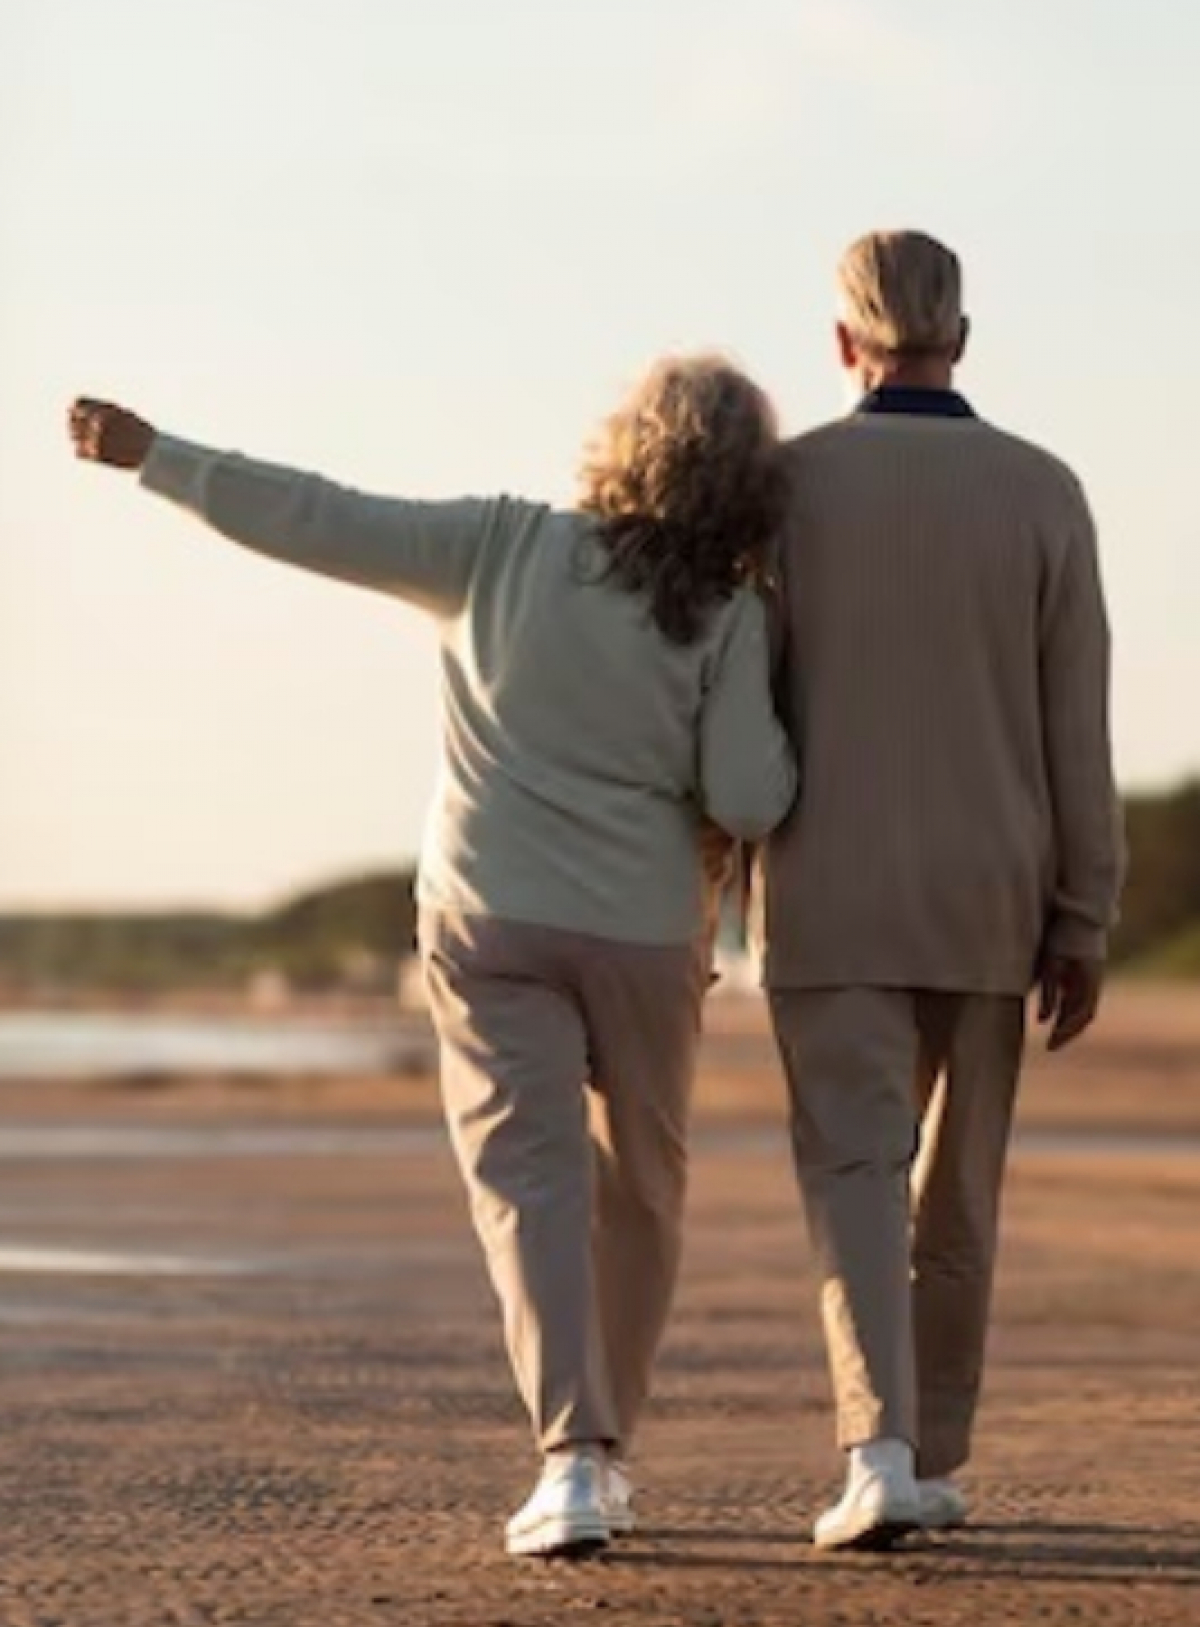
x=902, y=294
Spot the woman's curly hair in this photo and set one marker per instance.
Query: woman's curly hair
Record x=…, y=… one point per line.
x=686, y=483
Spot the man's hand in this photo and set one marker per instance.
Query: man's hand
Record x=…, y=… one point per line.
x=1069, y=996
x=105, y=433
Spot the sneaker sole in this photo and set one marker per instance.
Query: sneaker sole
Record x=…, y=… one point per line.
x=874, y=1539
x=954, y=1523
x=560, y=1539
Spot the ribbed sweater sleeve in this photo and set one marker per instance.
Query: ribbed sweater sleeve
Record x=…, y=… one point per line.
x=748, y=774
x=418, y=551
x=1075, y=660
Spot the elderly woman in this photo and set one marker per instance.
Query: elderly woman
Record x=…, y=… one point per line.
x=606, y=702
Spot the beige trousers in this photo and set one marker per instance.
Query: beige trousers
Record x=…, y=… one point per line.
x=567, y=1066
x=901, y=1106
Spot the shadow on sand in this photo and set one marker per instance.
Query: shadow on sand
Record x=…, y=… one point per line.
x=1049, y=1551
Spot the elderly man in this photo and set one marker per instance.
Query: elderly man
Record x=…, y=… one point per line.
x=956, y=843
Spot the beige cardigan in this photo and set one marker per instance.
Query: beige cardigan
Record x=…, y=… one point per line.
x=946, y=683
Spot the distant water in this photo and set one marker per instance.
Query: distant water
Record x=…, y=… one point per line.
x=104, y=1143
x=82, y=1045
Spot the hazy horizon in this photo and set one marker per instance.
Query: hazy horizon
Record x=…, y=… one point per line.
x=421, y=249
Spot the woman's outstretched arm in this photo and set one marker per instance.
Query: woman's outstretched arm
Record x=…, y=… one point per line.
x=419, y=551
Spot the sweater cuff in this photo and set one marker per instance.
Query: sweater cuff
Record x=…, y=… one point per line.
x=171, y=466
x=1076, y=939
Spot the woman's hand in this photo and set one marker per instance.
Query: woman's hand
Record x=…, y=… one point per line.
x=102, y=432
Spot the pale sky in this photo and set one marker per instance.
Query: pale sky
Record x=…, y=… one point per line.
x=421, y=247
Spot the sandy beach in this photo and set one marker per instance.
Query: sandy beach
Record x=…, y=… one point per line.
x=251, y=1371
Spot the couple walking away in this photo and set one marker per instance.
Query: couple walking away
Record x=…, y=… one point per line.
x=918, y=594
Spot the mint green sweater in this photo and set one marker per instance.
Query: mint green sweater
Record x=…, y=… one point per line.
x=580, y=748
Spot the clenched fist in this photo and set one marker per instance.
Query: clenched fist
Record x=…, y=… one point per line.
x=105, y=433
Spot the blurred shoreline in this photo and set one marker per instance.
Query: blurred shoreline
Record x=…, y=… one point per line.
x=1136, y=1074
x=172, y=1043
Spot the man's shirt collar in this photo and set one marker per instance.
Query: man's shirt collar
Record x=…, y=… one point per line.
x=916, y=403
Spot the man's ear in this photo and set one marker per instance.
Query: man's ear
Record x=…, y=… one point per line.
x=964, y=333
x=847, y=347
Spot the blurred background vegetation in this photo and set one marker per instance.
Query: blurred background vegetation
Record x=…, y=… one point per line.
x=350, y=937
x=354, y=936
x=1159, y=931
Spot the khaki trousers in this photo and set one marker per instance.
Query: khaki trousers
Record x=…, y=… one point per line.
x=901, y=1105
x=567, y=1066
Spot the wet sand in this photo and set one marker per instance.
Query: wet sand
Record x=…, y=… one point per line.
x=250, y=1383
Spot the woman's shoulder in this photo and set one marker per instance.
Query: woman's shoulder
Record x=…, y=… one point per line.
x=745, y=609
x=517, y=527
x=529, y=518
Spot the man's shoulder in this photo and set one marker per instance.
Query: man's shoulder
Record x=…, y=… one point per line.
x=1031, y=459
x=818, y=455
x=813, y=441
x=1025, y=461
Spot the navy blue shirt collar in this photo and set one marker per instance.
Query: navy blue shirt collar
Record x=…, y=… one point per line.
x=917, y=403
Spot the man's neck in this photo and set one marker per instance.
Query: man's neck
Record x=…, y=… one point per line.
x=914, y=373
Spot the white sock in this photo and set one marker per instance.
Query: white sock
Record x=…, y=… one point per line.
x=558, y=1458
x=886, y=1455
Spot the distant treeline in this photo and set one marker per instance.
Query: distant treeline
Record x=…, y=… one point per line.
x=355, y=935
x=1160, y=912
x=350, y=936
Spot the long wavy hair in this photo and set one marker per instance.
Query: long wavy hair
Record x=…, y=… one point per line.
x=686, y=485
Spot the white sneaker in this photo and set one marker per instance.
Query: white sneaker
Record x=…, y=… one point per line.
x=943, y=1505
x=619, y=1499
x=881, y=1502
x=568, y=1511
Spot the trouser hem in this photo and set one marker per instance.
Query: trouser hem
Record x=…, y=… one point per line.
x=858, y=1427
